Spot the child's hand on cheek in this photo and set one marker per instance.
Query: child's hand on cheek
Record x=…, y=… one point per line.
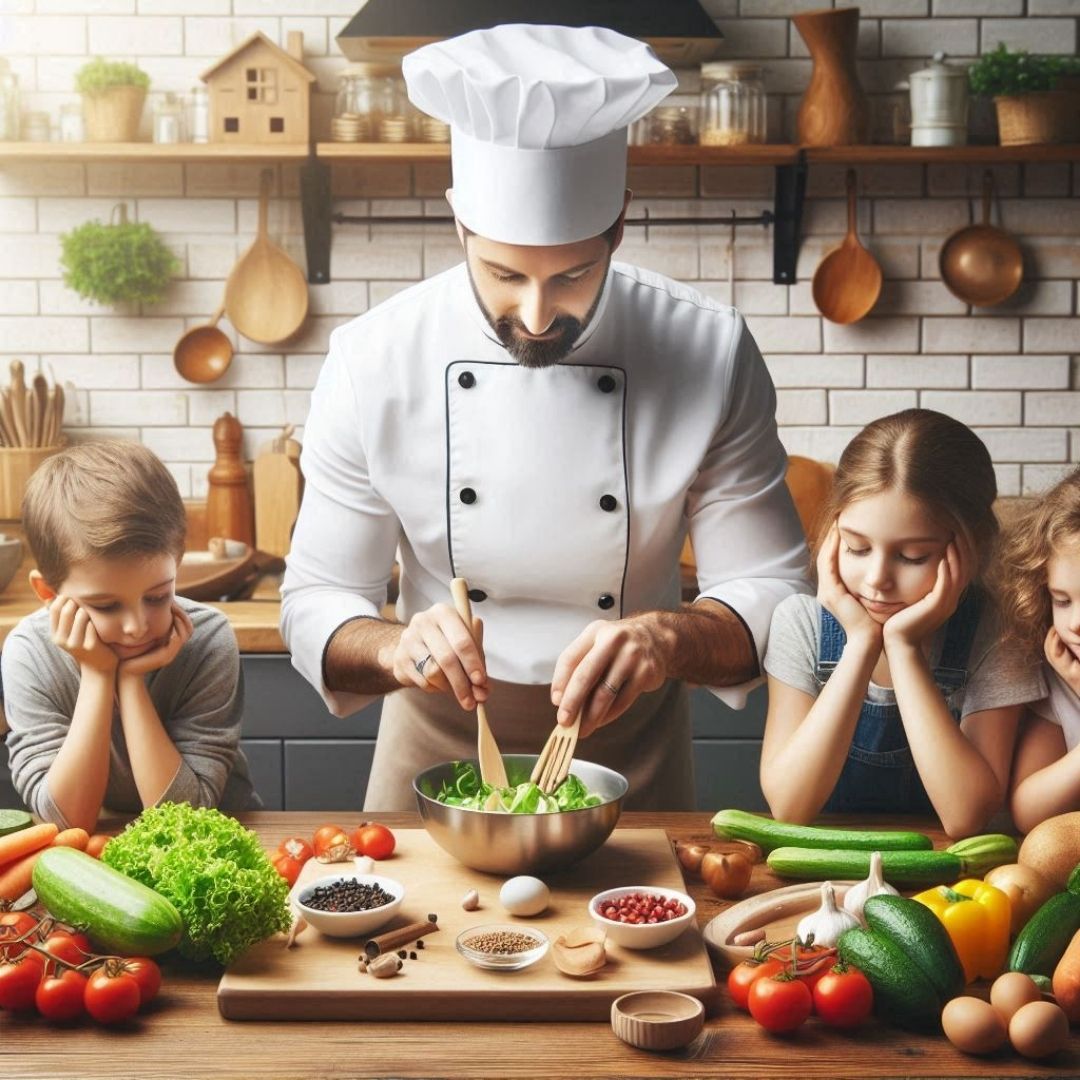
x=1062, y=660
x=833, y=595
x=73, y=632
x=163, y=654
x=914, y=624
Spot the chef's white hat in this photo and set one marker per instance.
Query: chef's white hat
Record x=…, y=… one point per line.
x=538, y=118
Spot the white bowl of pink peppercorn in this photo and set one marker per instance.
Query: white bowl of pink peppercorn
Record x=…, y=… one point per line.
x=642, y=916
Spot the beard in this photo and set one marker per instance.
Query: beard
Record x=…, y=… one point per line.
x=527, y=351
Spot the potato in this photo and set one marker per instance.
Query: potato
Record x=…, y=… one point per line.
x=1053, y=848
x=1026, y=889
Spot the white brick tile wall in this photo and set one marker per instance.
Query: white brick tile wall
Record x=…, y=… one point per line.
x=825, y=443
x=1039, y=478
x=1008, y=479
x=1024, y=444
x=868, y=45
x=1035, y=35
x=207, y=406
x=27, y=333
x=879, y=335
x=95, y=371
x=213, y=37
x=785, y=334
x=923, y=37
x=972, y=335
x=918, y=217
x=905, y=8
x=134, y=178
x=180, y=443
x=19, y=298
x=862, y=406
x=978, y=7
x=1041, y=217
x=1052, y=335
x=754, y=37
x=301, y=372
x=917, y=298
x=134, y=334
x=1053, y=7
x=1047, y=179
x=45, y=35
x=801, y=407
x=821, y=370
x=916, y=372
x=1021, y=372
x=1052, y=409
x=154, y=408
x=976, y=406
x=1034, y=298
x=148, y=35
x=18, y=215
x=19, y=178
x=966, y=181
x=184, y=7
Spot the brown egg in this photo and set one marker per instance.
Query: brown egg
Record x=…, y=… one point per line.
x=1039, y=1029
x=1011, y=992
x=973, y=1025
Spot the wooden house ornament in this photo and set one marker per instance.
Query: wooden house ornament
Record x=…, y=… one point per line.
x=260, y=94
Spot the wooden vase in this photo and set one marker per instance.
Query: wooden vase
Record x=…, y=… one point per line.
x=834, y=110
x=228, y=500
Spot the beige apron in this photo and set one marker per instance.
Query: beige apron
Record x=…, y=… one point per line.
x=649, y=744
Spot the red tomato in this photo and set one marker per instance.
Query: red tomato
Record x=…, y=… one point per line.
x=61, y=997
x=19, y=980
x=780, y=1003
x=743, y=976
x=843, y=996
x=288, y=867
x=15, y=924
x=64, y=945
x=112, y=995
x=147, y=974
x=375, y=841
x=328, y=836
x=296, y=848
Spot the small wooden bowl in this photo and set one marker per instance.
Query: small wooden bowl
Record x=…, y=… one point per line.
x=657, y=1019
x=216, y=574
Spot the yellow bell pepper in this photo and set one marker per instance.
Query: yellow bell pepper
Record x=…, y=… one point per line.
x=976, y=916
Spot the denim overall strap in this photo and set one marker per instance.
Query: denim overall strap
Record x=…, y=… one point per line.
x=831, y=642
x=951, y=670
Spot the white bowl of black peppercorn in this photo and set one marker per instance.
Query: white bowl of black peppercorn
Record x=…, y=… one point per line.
x=348, y=905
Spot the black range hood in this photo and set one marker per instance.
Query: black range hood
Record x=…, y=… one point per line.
x=680, y=31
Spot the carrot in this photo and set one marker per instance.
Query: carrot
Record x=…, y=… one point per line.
x=1066, y=981
x=16, y=845
x=17, y=877
x=96, y=843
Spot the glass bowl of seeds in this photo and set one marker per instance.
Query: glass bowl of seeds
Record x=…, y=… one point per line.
x=348, y=905
x=501, y=947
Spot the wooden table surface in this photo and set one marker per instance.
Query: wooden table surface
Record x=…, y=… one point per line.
x=183, y=1035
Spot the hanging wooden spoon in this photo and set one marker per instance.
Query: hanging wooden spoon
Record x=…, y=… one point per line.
x=847, y=282
x=266, y=296
x=203, y=353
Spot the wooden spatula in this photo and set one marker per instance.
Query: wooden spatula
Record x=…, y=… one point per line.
x=492, y=769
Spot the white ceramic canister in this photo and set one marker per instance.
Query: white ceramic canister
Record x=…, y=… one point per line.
x=939, y=104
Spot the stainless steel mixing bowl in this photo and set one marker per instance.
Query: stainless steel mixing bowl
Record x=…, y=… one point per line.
x=521, y=843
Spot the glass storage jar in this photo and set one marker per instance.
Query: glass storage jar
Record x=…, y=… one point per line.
x=364, y=97
x=674, y=123
x=732, y=104
x=9, y=103
x=168, y=119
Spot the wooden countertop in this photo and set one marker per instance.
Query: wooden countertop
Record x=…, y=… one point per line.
x=183, y=1035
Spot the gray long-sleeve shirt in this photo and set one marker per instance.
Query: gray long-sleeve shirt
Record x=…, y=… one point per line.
x=199, y=698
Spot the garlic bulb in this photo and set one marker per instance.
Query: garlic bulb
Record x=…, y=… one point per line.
x=874, y=885
x=828, y=922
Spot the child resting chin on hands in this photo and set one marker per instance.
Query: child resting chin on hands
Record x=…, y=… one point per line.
x=118, y=693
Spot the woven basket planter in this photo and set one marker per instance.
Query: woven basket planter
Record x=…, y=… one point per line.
x=1048, y=116
x=113, y=116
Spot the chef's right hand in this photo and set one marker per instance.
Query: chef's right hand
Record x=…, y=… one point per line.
x=453, y=658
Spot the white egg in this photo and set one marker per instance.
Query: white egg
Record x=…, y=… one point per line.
x=524, y=896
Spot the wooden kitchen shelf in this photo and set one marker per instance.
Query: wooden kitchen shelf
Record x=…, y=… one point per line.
x=942, y=155
x=153, y=152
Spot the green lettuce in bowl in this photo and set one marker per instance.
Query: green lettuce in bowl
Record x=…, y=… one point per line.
x=467, y=790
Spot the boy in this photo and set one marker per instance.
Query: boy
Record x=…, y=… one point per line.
x=118, y=693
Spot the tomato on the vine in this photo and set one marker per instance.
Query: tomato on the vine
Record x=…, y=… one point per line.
x=328, y=836
x=61, y=996
x=288, y=867
x=296, y=848
x=780, y=1003
x=146, y=973
x=373, y=840
x=19, y=980
x=743, y=976
x=843, y=996
x=112, y=995
x=15, y=924
x=71, y=947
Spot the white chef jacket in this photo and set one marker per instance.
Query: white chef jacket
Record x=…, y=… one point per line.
x=562, y=494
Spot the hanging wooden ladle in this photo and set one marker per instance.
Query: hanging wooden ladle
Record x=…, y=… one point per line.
x=847, y=281
x=203, y=353
x=266, y=296
x=980, y=264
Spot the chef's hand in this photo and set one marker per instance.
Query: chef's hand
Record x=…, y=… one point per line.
x=437, y=654
x=913, y=625
x=834, y=597
x=607, y=667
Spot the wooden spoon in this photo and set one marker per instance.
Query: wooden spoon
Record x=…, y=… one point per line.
x=40, y=397
x=266, y=296
x=18, y=402
x=203, y=353
x=847, y=282
x=980, y=264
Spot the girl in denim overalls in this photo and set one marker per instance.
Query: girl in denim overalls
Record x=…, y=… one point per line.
x=1040, y=571
x=891, y=691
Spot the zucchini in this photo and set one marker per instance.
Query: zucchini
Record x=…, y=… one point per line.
x=117, y=914
x=968, y=858
x=1045, y=936
x=14, y=821
x=769, y=834
x=922, y=936
x=903, y=995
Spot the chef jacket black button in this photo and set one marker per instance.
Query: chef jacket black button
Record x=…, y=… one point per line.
x=608, y=502
x=477, y=596
x=606, y=602
x=466, y=380
x=468, y=496
x=606, y=384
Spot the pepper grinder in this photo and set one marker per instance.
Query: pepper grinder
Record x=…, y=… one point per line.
x=228, y=501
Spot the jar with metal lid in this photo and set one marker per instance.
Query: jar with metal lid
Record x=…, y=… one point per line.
x=365, y=96
x=939, y=104
x=732, y=104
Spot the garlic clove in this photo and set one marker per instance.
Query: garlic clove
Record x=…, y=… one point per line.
x=471, y=900
x=827, y=923
x=874, y=885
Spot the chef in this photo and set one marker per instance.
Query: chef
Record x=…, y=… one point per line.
x=548, y=424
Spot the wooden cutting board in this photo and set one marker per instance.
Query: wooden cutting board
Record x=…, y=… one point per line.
x=318, y=979
x=279, y=487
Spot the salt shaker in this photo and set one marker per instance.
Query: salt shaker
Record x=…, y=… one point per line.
x=228, y=500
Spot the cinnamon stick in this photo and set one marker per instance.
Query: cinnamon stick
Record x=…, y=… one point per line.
x=394, y=939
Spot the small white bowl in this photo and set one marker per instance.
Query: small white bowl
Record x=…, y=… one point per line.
x=348, y=923
x=642, y=935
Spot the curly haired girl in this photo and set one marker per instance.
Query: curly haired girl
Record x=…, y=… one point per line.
x=1040, y=571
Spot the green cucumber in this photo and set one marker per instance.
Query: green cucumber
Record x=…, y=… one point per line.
x=922, y=935
x=769, y=834
x=1045, y=936
x=117, y=914
x=968, y=858
x=903, y=995
x=14, y=821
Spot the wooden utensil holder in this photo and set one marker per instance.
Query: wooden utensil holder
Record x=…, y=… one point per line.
x=16, y=465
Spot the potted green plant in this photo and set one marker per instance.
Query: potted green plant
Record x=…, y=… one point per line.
x=113, y=93
x=117, y=263
x=1036, y=97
